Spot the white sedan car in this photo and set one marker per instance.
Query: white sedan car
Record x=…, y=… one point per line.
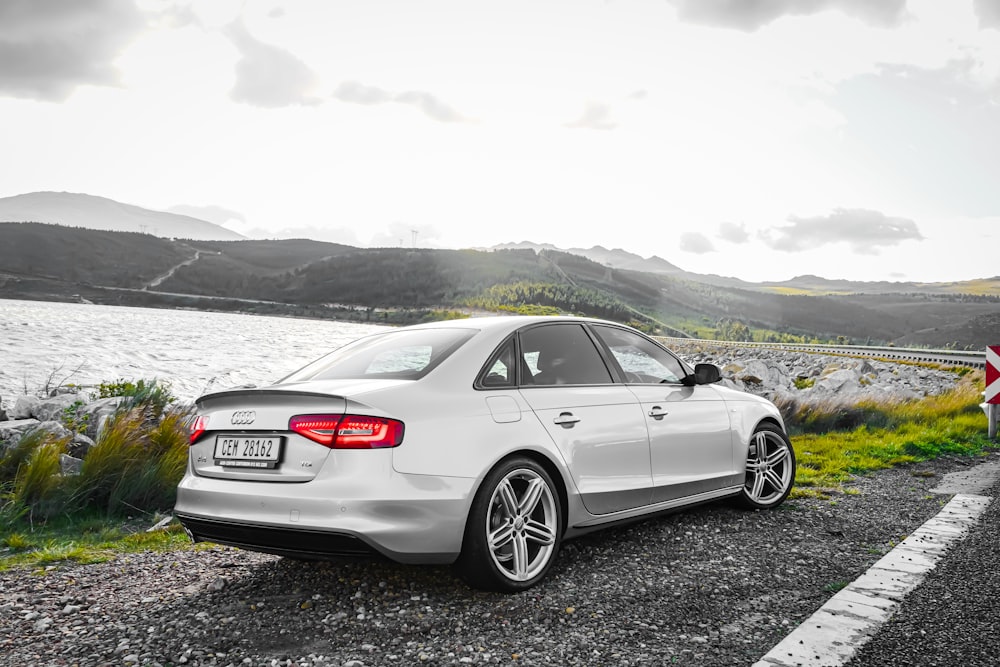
x=480, y=442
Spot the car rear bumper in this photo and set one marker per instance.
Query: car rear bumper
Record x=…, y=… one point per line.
x=406, y=518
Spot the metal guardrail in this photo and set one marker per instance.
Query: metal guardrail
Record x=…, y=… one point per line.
x=916, y=355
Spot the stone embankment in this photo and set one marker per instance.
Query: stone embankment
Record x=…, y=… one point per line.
x=66, y=414
x=807, y=377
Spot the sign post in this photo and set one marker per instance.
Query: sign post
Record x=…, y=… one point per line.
x=992, y=392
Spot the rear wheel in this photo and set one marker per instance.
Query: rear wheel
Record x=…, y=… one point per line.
x=770, y=468
x=514, y=528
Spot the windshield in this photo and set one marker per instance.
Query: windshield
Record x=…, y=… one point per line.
x=401, y=354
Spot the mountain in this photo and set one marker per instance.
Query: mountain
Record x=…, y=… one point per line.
x=799, y=285
x=402, y=285
x=80, y=210
x=616, y=259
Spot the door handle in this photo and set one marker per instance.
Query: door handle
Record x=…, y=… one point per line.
x=656, y=412
x=566, y=420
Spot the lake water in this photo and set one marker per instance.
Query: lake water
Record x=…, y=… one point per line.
x=194, y=351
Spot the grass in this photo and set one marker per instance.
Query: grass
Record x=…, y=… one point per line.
x=84, y=540
x=834, y=441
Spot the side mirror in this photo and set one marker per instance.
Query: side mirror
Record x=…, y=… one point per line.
x=703, y=374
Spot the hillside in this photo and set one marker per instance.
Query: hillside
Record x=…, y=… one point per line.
x=395, y=284
x=80, y=210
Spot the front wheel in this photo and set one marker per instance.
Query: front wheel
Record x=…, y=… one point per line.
x=514, y=528
x=770, y=468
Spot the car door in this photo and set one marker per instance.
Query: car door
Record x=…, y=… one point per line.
x=597, y=424
x=692, y=447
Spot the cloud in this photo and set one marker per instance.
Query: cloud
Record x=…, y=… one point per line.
x=730, y=231
x=988, y=13
x=211, y=213
x=749, y=15
x=431, y=106
x=355, y=92
x=596, y=116
x=47, y=49
x=269, y=76
x=865, y=231
x=696, y=243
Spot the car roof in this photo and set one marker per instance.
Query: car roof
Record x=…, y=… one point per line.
x=505, y=322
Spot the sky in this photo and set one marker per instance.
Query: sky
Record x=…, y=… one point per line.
x=759, y=139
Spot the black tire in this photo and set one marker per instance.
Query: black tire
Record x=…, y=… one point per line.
x=514, y=528
x=770, y=468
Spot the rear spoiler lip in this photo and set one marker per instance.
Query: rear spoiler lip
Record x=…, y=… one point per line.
x=267, y=391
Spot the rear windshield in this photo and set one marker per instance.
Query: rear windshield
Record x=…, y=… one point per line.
x=401, y=354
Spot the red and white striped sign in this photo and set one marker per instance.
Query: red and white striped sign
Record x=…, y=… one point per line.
x=993, y=374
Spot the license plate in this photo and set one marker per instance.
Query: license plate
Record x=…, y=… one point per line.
x=239, y=451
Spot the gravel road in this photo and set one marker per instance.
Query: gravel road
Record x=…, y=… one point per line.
x=951, y=618
x=714, y=585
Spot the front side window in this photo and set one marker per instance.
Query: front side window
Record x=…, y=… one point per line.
x=400, y=354
x=642, y=360
x=556, y=354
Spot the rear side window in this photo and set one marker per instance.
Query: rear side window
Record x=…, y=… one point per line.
x=500, y=369
x=400, y=354
x=556, y=354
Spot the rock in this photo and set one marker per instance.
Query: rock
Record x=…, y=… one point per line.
x=52, y=409
x=80, y=445
x=54, y=428
x=96, y=414
x=25, y=407
x=64, y=389
x=842, y=381
x=70, y=465
x=12, y=430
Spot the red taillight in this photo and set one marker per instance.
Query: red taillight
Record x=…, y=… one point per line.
x=348, y=431
x=319, y=428
x=198, y=428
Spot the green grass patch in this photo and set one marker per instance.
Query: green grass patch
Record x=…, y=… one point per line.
x=834, y=441
x=90, y=539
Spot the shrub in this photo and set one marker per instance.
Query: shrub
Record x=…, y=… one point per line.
x=38, y=486
x=132, y=466
x=152, y=394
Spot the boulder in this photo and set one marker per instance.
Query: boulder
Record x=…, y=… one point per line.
x=96, y=413
x=80, y=445
x=25, y=407
x=12, y=430
x=52, y=409
x=54, y=428
x=70, y=465
x=841, y=381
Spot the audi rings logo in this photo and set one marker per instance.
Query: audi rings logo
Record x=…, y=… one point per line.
x=242, y=417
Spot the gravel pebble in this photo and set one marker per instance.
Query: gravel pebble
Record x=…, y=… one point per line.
x=714, y=585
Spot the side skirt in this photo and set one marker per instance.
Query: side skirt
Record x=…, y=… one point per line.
x=642, y=512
